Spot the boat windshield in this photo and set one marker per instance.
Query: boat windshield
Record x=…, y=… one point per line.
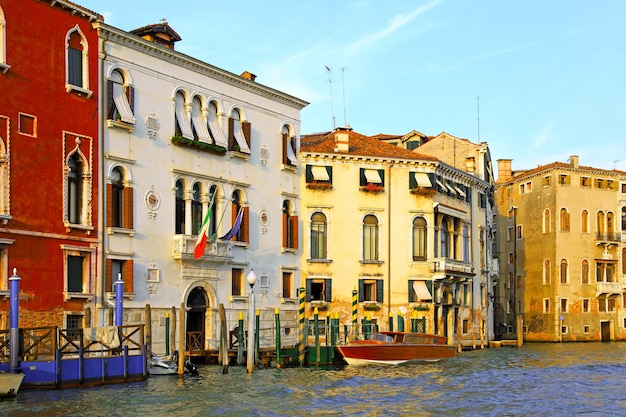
x=382, y=338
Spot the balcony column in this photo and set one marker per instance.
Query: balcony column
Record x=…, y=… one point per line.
x=188, y=199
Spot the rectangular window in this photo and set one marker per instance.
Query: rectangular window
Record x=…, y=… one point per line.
x=564, y=305
x=73, y=324
x=75, y=273
x=623, y=187
x=585, y=305
x=509, y=233
x=119, y=268
x=545, y=181
x=546, y=305
x=420, y=291
x=237, y=282
x=319, y=177
x=586, y=329
x=511, y=258
x=519, y=231
x=318, y=289
x=564, y=179
x=27, y=125
x=287, y=280
x=585, y=182
x=371, y=290
x=610, y=304
x=564, y=329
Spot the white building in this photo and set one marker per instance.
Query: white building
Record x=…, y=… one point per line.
x=180, y=137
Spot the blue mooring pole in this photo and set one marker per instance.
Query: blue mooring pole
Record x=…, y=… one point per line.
x=14, y=335
x=119, y=300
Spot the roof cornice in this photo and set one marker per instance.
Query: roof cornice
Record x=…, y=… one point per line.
x=178, y=58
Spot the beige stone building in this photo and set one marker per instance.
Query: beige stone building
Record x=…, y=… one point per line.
x=401, y=229
x=561, y=252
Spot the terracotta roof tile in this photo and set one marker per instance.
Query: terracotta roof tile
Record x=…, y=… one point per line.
x=359, y=145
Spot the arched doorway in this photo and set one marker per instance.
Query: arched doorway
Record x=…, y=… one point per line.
x=197, y=303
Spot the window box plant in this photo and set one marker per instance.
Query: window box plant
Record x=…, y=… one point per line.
x=319, y=185
x=196, y=144
x=371, y=306
x=423, y=192
x=373, y=188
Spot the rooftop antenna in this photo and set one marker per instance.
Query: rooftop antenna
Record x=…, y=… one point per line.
x=478, y=115
x=330, y=82
x=343, y=86
x=615, y=162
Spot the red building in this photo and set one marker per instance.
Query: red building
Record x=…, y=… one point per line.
x=49, y=155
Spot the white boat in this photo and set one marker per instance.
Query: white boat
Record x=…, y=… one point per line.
x=168, y=365
x=10, y=384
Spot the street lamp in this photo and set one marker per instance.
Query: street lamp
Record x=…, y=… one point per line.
x=251, y=278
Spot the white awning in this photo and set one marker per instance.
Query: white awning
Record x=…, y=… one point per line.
x=451, y=188
x=291, y=152
x=121, y=103
x=421, y=290
x=460, y=191
x=181, y=117
x=240, y=138
x=319, y=173
x=422, y=179
x=198, y=123
x=372, y=176
x=442, y=185
x=216, y=132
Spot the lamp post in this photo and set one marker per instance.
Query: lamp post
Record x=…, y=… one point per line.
x=251, y=278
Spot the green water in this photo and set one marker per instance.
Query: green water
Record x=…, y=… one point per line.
x=537, y=380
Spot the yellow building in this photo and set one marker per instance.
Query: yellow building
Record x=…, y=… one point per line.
x=561, y=252
x=398, y=228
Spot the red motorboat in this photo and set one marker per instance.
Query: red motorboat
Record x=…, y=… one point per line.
x=394, y=348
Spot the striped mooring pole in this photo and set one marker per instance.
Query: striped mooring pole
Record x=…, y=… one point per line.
x=277, y=319
x=355, y=313
x=301, y=344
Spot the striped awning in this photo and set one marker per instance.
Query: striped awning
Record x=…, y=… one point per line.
x=319, y=173
x=372, y=176
x=421, y=290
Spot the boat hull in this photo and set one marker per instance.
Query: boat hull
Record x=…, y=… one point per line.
x=363, y=352
x=10, y=384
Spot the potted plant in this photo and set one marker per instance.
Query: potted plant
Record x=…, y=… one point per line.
x=373, y=188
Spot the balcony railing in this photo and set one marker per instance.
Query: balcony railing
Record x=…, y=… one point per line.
x=609, y=288
x=608, y=237
x=452, y=265
x=183, y=246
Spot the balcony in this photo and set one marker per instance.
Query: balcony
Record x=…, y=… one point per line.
x=608, y=238
x=609, y=288
x=183, y=247
x=446, y=265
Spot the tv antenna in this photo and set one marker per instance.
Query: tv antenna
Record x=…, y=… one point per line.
x=343, y=86
x=330, y=82
x=478, y=116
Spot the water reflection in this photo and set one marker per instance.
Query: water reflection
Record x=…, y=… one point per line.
x=537, y=380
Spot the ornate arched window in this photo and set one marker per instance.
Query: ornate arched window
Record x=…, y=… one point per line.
x=370, y=238
x=420, y=239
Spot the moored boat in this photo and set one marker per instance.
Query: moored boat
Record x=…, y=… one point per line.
x=394, y=348
x=10, y=384
x=168, y=365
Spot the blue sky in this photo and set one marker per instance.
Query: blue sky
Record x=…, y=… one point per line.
x=538, y=80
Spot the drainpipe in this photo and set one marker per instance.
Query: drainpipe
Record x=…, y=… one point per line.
x=389, y=240
x=100, y=279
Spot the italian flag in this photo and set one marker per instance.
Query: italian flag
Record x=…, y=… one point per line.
x=203, y=235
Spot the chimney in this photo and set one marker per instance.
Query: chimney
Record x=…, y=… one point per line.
x=470, y=164
x=573, y=160
x=504, y=169
x=342, y=140
x=248, y=76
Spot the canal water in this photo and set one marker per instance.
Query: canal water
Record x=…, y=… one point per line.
x=570, y=379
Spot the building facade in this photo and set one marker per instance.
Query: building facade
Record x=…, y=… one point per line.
x=185, y=142
x=397, y=229
x=49, y=160
x=562, y=253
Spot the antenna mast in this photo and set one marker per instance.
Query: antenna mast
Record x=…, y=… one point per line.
x=478, y=115
x=343, y=86
x=330, y=83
